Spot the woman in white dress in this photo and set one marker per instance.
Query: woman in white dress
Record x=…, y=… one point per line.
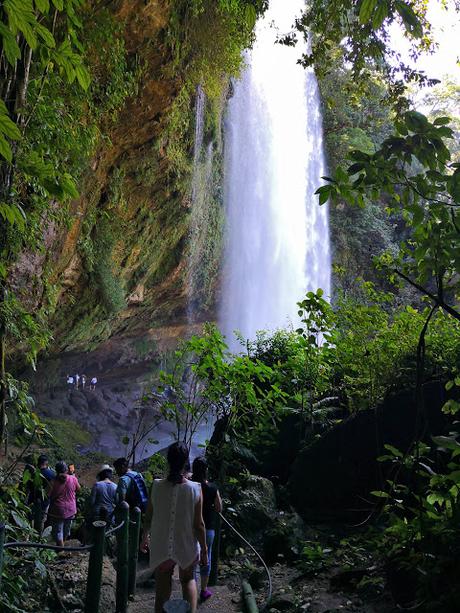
x=173, y=529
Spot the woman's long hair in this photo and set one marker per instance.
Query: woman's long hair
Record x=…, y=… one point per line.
x=61, y=471
x=177, y=459
x=200, y=470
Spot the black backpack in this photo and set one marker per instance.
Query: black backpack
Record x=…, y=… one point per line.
x=137, y=495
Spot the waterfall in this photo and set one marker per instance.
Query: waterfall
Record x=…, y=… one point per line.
x=277, y=237
x=200, y=102
x=201, y=193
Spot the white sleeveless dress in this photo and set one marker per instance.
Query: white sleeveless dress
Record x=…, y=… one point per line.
x=172, y=534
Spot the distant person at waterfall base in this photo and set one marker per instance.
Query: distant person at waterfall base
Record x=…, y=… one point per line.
x=212, y=505
x=77, y=381
x=83, y=381
x=63, y=503
x=103, y=496
x=131, y=486
x=70, y=382
x=93, y=382
x=173, y=528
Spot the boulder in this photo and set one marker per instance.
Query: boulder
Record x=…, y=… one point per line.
x=282, y=537
x=337, y=472
x=256, y=506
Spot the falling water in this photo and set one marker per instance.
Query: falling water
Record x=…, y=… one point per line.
x=200, y=193
x=200, y=102
x=277, y=235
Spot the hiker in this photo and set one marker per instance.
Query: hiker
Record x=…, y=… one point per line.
x=83, y=381
x=173, y=527
x=77, y=381
x=212, y=505
x=131, y=486
x=48, y=475
x=70, y=382
x=63, y=503
x=103, y=495
x=92, y=384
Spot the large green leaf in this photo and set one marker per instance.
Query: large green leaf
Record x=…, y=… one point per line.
x=366, y=10
x=21, y=18
x=10, y=46
x=43, y=6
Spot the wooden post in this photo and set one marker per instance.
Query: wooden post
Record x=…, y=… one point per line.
x=122, y=557
x=96, y=557
x=38, y=516
x=2, y=541
x=134, y=534
x=215, y=554
x=249, y=601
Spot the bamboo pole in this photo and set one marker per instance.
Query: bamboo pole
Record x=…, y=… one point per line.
x=134, y=534
x=2, y=541
x=122, y=558
x=250, y=605
x=96, y=557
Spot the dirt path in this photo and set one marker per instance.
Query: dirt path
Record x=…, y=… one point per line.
x=223, y=599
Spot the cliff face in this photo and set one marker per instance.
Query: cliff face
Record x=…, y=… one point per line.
x=127, y=216
x=119, y=268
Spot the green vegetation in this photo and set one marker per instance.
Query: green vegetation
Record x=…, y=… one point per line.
x=67, y=437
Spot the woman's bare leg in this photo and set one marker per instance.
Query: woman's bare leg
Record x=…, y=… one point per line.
x=162, y=589
x=189, y=591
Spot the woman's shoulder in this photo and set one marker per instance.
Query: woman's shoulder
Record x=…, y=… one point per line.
x=194, y=486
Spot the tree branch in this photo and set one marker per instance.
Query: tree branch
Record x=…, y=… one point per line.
x=436, y=299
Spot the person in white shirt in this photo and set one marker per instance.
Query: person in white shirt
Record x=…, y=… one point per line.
x=173, y=528
x=77, y=381
x=92, y=385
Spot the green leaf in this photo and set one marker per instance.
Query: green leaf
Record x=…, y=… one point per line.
x=366, y=10
x=83, y=76
x=380, y=494
x=43, y=6
x=59, y=4
x=10, y=46
x=442, y=121
x=45, y=35
x=410, y=19
x=5, y=149
x=7, y=126
x=393, y=450
x=380, y=14
x=21, y=18
x=415, y=121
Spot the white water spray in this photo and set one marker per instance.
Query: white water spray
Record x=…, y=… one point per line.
x=277, y=235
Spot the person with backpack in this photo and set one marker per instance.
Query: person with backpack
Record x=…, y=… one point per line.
x=131, y=486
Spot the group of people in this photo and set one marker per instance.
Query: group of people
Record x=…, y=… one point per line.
x=53, y=493
x=77, y=381
x=180, y=514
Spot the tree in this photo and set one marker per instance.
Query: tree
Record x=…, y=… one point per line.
x=413, y=172
x=38, y=38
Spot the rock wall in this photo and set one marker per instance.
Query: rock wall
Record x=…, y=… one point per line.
x=119, y=267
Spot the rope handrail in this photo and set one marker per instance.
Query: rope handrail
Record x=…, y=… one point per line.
x=30, y=544
x=270, y=584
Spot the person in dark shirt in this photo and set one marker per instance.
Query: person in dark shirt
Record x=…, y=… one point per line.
x=37, y=483
x=212, y=505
